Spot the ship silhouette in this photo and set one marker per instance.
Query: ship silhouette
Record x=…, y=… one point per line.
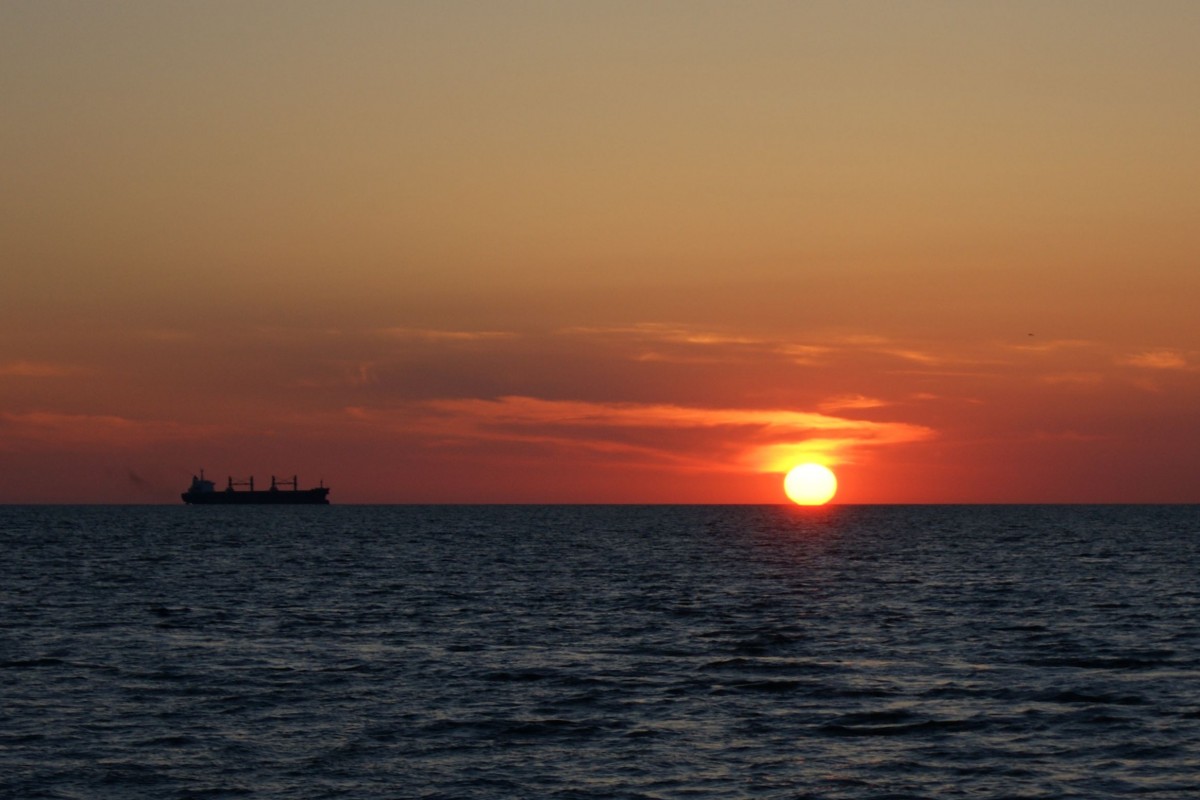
x=204, y=492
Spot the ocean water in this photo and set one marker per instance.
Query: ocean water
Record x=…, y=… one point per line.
x=599, y=652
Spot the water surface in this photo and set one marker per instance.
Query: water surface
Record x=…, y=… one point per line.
x=599, y=652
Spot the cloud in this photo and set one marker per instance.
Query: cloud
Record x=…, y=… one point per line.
x=851, y=401
x=1156, y=359
x=35, y=369
x=72, y=430
x=1074, y=378
x=667, y=342
x=679, y=343
x=668, y=332
x=433, y=335
x=911, y=354
x=657, y=356
x=806, y=354
x=1051, y=345
x=763, y=440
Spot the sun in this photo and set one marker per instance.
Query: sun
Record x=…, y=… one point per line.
x=810, y=485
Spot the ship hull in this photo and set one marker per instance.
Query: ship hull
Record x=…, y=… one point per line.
x=276, y=497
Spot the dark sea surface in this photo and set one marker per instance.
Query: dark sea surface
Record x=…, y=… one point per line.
x=600, y=652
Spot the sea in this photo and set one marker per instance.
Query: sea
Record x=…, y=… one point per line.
x=574, y=652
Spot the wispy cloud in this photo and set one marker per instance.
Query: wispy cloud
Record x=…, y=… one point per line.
x=911, y=354
x=763, y=440
x=1156, y=359
x=851, y=401
x=1074, y=378
x=668, y=342
x=680, y=343
x=58, y=429
x=667, y=332
x=658, y=356
x=806, y=354
x=436, y=335
x=1035, y=345
x=36, y=369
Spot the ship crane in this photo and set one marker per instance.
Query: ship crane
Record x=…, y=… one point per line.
x=294, y=483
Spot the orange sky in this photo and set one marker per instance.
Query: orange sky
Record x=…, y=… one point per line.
x=612, y=252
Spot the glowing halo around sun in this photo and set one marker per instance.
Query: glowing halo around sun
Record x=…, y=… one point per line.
x=810, y=485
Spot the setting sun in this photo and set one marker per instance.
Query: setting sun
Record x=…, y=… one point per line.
x=810, y=485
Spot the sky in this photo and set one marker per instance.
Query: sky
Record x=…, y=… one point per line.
x=612, y=252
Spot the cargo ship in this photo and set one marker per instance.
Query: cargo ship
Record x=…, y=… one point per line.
x=204, y=492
